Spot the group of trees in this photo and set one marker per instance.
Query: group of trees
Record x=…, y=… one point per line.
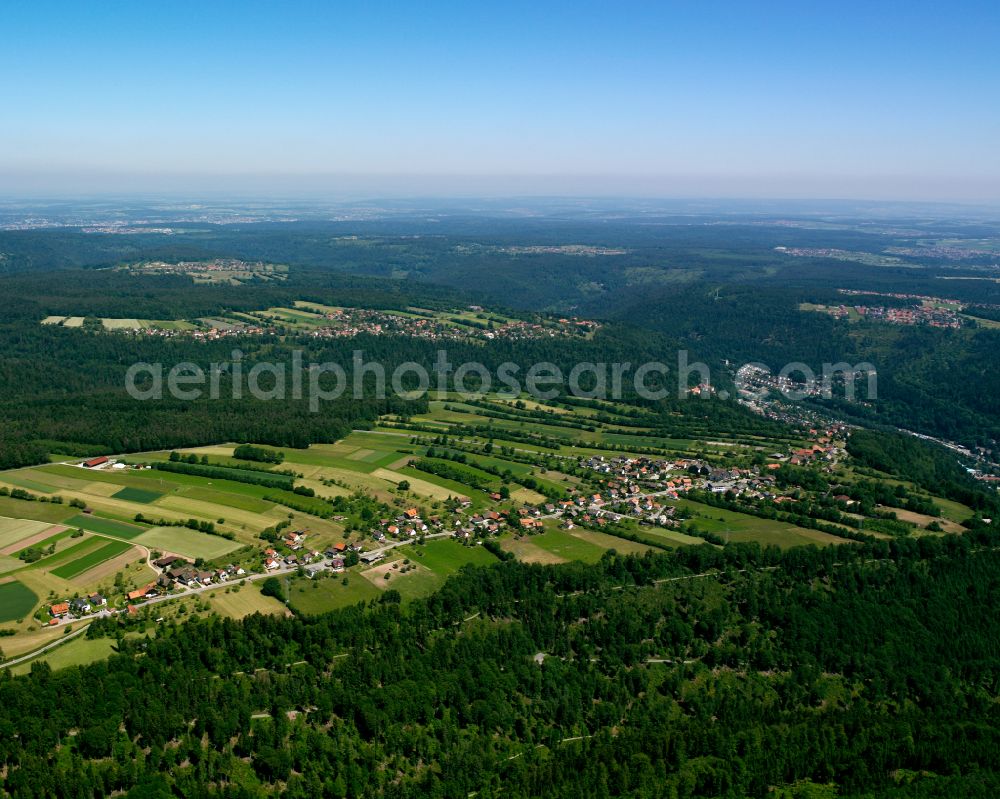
x=249, y=452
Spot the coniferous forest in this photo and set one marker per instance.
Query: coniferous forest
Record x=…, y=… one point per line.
x=870, y=670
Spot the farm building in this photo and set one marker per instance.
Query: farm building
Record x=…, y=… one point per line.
x=142, y=593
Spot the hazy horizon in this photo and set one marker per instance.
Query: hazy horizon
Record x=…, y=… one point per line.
x=352, y=187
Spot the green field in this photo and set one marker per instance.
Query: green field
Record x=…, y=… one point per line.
x=39, y=511
x=567, y=546
x=735, y=526
x=243, y=600
x=21, y=481
x=80, y=548
x=78, y=651
x=665, y=537
x=76, y=567
x=189, y=543
x=137, y=495
x=329, y=593
x=428, y=568
x=411, y=579
x=16, y=601
x=226, y=500
x=446, y=556
x=955, y=511
x=95, y=524
x=622, y=546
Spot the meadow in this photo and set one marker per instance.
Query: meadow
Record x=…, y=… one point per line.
x=237, y=601
x=328, y=593
x=556, y=546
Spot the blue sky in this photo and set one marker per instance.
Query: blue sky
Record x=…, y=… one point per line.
x=695, y=98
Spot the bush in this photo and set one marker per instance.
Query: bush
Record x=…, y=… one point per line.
x=272, y=587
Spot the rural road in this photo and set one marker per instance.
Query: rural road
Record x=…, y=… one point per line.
x=46, y=648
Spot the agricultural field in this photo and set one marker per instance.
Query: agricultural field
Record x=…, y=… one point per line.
x=77, y=652
x=9, y=564
x=16, y=600
x=664, y=537
x=622, y=546
x=39, y=511
x=736, y=527
x=137, y=495
x=14, y=531
x=445, y=557
x=238, y=601
x=189, y=543
x=95, y=524
x=46, y=537
x=110, y=323
x=328, y=592
x=557, y=546
x=410, y=578
x=954, y=511
x=96, y=557
x=922, y=520
x=310, y=317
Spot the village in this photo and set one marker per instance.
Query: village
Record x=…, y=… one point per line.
x=922, y=309
x=642, y=489
x=319, y=322
x=923, y=314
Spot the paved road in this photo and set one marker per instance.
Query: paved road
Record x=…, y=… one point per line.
x=46, y=648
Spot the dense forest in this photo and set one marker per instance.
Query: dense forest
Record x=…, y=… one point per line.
x=865, y=670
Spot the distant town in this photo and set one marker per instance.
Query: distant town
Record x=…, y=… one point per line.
x=932, y=311
x=317, y=321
